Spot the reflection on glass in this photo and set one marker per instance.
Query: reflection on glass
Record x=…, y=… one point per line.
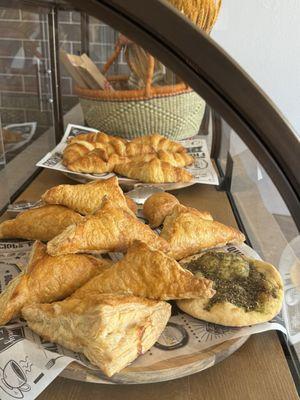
x=25, y=90
x=149, y=97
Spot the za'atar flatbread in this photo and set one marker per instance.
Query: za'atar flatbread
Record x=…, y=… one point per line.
x=248, y=291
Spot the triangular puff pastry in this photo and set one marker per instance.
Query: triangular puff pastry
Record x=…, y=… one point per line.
x=110, y=229
x=86, y=198
x=111, y=331
x=42, y=223
x=188, y=232
x=148, y=273
x=48, y=279
x=153, y=171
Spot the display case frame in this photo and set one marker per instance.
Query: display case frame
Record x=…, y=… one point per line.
x=221, y=82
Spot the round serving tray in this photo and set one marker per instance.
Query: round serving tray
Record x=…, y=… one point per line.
x=175, y=368
x=126, y=183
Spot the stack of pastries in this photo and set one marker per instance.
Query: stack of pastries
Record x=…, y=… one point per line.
x=150, y=159
x=113, y=312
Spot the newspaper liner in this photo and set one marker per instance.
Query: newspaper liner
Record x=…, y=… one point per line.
x=28, y=364
x=202, y=170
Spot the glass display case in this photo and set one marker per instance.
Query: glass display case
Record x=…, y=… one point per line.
x=254, y=151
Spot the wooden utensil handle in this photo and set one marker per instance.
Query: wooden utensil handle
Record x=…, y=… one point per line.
x=151, y=64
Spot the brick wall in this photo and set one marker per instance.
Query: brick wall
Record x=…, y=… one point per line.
x=23, y=36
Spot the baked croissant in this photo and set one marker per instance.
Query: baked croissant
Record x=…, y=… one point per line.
x=154, y=171
x=116, y=160
x=79, y=149
x=188, y=232
x=135, y=149
x=99, y=137
x=179, y=159
x=111, y=331
x=159, y=142
x=113, y=144
x=86, y=198
x=146, y=272
x=47, y=279
x=42, y=223
x=110, y=229
x=91, y=163
x=157, y=207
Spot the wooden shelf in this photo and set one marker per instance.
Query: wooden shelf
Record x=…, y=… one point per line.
x=258, y=370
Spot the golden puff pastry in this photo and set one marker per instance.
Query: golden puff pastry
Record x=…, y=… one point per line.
x=86, y=198
x=91, y=163
x=146, y=272
x=159, y=142
x=154, y=171
x=111, y=331
x=179, y=159
x=42, y=223
x=248, y=291
x=110, y=229
x=48, y=279
x=188, y=231
x=158, y=206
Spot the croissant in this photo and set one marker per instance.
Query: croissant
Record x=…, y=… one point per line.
x=146, y=272
x=189, y=231
x=134, y=149
x=47, y=279
x=179, y=159
x=113, y=144
x=116, y=159
x=110, y=229
x=80, y=148
x=159, y=142
x=91, y=163
x=99, y=137
x=158, y=206
x=42, y=223
x=86, y=198
x=111, y=331
x=76, y=150
x=154, y=171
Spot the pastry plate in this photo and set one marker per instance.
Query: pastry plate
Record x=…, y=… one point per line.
x=127, y=183
x=161, y=371
x=202, y=170
x=186, y=346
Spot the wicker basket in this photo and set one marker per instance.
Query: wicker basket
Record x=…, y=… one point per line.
x=174, y=111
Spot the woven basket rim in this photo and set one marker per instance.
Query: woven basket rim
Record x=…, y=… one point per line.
x=156, y=91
